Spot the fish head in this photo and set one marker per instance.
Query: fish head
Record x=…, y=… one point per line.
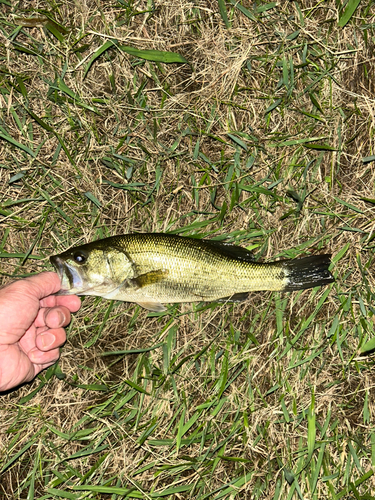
x=92, y=269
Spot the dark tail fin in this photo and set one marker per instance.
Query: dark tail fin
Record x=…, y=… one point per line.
x=308, y=272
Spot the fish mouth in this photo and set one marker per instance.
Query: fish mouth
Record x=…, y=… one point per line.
x=58, y=265
x=71, y=281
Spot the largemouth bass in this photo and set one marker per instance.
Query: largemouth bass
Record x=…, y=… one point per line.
x=152, y=269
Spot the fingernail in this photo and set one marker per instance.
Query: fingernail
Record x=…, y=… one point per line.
x=54, y=317
x=61, y=318
x=47, y=339
x=34, y=354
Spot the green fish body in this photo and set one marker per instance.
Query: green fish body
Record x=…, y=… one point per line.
x=152, y=269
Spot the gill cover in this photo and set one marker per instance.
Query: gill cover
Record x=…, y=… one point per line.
x=92, y=271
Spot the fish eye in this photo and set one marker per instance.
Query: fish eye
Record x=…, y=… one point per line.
x=79, y=257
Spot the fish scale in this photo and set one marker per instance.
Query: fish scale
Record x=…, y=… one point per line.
x=155, y=268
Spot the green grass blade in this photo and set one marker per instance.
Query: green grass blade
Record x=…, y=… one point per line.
x=61, y=85
x=273, y=106
x=40, y=122
x=110, y=490
x=223, y=13
x=93, y=198
x=368, y=159
x=57, y=208
x=237, y=141
x=12, y=141
x=154, y=55
x=106, y=45
x=53, y=29
x=22, y=451
x=319, y=147
x=16, y=255
x=350, y=8
x=133, y=351
x=368, y=346
x=243, y=9
x=62, y=494
x=173, y=490
x=311, y=432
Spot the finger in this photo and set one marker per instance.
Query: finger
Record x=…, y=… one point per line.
x=72, y=302
x=42, y=359
x=57, y=316
x=27, y=341
x=52, y=317
x=49, y=340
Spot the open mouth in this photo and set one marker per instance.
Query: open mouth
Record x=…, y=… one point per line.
x=58, y=265
x=71, y=281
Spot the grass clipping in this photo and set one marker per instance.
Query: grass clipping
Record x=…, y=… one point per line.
x=263, y=138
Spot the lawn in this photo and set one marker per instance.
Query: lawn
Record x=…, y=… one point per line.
x=246, y=122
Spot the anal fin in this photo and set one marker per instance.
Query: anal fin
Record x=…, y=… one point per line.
x=152, y=306
x=236, y=297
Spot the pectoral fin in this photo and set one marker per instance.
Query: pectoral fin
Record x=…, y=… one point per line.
x=146, y=279
x=152, y=306
x=150, y=278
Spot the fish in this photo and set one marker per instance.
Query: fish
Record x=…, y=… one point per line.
x=152, y=269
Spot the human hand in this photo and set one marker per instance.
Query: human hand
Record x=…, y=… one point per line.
x=31, y=327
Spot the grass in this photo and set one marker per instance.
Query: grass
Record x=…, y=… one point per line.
x=247, y=122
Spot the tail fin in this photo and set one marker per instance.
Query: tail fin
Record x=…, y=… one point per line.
x=308, y=272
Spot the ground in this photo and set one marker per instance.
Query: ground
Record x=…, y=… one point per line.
x=247, y=122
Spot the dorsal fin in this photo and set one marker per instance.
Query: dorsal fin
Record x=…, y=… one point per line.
x=231, y=250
